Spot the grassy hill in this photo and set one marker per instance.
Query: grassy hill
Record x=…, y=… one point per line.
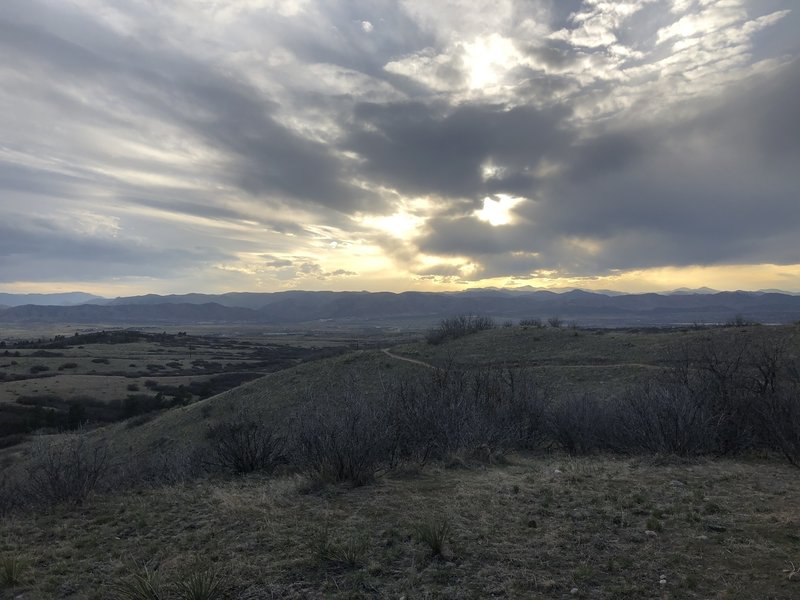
x=511, y=521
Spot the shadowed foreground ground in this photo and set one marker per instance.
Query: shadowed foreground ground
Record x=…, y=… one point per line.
x=539, y=527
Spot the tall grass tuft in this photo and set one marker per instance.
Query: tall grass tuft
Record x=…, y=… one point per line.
x=201, y=585
x=433, y=532
x=11, y=569
x=144, y=585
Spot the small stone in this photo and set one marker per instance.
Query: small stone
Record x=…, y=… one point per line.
x=663, y=577
x=662, y=582
x=533, y=524
x=650, y=533
x=702, y=537
x=574, y=591
x=557, y=471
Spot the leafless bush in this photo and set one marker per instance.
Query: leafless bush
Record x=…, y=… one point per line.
x=165, y=464
x=246, y=444
x=67, y=470
x=344, y=441
x=578, y=423
x=663, y=419
x=555, y=322
x=11, y=494
x=465, y=411
x=456, y=327
x=536, y=323
x=780, y=413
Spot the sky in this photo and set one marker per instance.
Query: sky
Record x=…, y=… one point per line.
x=170, y=146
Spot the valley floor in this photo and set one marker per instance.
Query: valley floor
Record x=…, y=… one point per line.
x=537, y=527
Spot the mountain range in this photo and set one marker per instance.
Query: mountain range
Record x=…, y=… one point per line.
x=411, y=308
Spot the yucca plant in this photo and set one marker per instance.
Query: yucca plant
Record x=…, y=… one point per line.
x=11, y=568
x=433, y=532
x=144, y=585
x=201, y=585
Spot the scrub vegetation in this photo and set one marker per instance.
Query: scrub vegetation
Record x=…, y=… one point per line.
x=458, y=474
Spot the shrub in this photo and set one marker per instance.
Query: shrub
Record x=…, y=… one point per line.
x=780, y=414
x=101, y=361
x=456, y=327
x=347, y=441
x=246, y=444
x=664, y=419
x=39, y=369
x=555, y=322
x=578, y=424
x=68, y=365
x=68, y=470
x=537, y=323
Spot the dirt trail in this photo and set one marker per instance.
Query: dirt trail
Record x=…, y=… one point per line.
x=391, y=354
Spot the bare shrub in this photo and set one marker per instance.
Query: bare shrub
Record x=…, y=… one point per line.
x=246, y=444
x=663, y=419
x=165, y=464
x=578, y=424
x=67, y=470
x=555, y=322
x=780, y=413
x=11, y=495
x=535, y=323
x=459, y=326
x=482, y=412
x=345, y=441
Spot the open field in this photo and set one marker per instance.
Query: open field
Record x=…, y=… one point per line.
x=534, y=528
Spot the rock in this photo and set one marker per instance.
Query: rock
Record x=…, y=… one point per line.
x=574, y=591
x=650, y=533
x=718, y=527
x=557, y=471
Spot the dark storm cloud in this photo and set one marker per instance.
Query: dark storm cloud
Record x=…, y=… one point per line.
x=721, y=188
x=419, y=148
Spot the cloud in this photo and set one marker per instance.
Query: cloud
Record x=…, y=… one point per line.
x=276, y=144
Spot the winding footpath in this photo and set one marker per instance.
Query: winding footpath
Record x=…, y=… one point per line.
x=391, y=354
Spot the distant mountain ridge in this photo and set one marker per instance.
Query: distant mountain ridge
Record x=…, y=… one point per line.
x=295, y=307
x=64, y=299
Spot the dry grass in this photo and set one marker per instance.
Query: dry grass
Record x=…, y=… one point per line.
x=538, y=527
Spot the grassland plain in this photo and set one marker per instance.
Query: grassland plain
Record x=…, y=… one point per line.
x=536, y=527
